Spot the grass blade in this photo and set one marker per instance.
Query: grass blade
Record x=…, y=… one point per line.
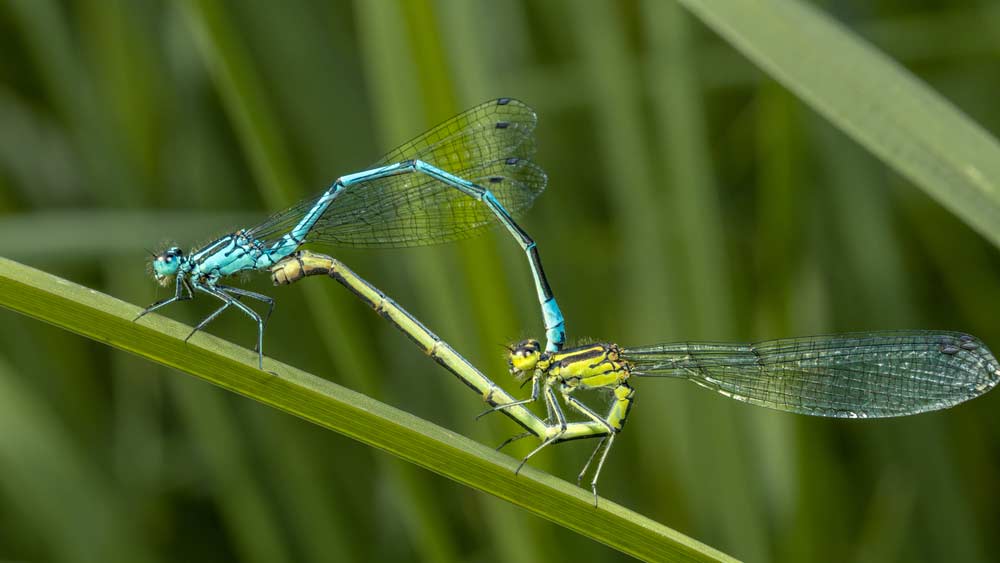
x=870, y=97
x=108, y=320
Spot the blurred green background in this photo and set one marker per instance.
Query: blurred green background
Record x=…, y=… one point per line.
x=690, y=197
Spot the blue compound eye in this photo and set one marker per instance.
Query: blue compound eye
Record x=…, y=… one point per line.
x=166, y=264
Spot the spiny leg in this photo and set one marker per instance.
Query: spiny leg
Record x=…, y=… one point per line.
x=547, y=442
x=238, y=292
x=575, y=403
x=586, y=466
x=608, y=440
x=600, y=466
x=534, y=397
x=207, y=320
x=252, y=295
x=550, y=399
x=229, y=299
x=181, y=286
x=552, y=408
x=514, y=439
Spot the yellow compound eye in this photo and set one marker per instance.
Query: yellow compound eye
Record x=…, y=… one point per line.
x=524, y=363
x=524, y=355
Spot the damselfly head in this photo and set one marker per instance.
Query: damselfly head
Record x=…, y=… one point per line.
x=523, y=356
x=166, y=263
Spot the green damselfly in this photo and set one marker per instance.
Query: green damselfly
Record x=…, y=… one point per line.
x=852, y=375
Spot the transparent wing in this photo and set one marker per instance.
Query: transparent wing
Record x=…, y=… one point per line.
x=854, y=375
x=490, y=145
x=411, y=210
x=492, y=130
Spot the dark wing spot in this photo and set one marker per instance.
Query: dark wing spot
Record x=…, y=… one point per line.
x=950, y=350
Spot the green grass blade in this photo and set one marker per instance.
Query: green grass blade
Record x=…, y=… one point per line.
x=872, y=98
x=109, y=320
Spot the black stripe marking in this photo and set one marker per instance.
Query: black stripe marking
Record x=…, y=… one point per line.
x=596, y=352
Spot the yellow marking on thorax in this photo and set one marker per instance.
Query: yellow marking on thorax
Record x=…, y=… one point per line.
x=587, y=367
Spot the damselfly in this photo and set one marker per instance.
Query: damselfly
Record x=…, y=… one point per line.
x=305, y=263
x=449, y=183
x=852, y=375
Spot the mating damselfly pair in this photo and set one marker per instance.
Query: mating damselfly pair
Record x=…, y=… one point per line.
x=474, y=171
x=467, y=174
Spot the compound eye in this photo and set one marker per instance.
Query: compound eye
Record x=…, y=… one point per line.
x=527, y=347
